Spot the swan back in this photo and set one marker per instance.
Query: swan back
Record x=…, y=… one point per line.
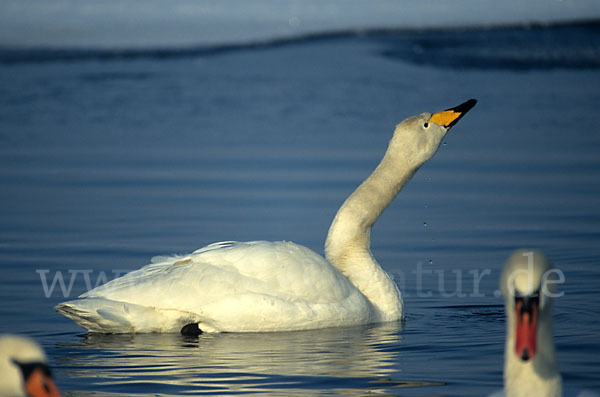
x=225, y=287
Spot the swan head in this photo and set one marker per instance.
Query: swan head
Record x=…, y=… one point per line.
x=421, y=135
x=24, y=369
x=527, y=283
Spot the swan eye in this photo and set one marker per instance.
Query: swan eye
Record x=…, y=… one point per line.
x=426, y=125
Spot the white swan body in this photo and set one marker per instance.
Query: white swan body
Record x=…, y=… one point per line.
x=235, y=287
x=275, y=286
x=23, y=369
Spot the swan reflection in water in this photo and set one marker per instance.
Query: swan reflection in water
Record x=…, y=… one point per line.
x=359, y=359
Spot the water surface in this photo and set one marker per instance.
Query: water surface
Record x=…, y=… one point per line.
x=109, y=161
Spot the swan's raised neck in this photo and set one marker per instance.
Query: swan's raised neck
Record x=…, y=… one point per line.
x=347, y=247
x=530, y=367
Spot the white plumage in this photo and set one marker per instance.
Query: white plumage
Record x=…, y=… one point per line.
x=275, y=286
x=24, y=369
x=528, y=283
x=252, y=286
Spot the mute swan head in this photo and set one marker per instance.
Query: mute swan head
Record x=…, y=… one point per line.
x=528, y=283
x=24, y=370
x=417, y=138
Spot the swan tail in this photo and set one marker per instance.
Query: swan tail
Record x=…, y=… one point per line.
x=107, y=316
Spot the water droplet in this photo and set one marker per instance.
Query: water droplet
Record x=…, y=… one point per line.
x=431, y=261
x=424, y=224
x=444, y=144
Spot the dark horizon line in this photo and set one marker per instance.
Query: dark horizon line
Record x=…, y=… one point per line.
x=48, y=53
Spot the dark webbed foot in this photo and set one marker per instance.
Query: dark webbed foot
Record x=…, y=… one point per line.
x=191, y=330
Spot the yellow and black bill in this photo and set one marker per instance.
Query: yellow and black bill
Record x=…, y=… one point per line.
x=447, y=118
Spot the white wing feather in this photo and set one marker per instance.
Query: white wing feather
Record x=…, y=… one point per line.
x=227, y=286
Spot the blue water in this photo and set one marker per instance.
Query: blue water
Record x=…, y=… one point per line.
x=107, y=160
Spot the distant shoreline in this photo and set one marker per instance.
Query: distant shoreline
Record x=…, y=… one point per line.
x=474, y=47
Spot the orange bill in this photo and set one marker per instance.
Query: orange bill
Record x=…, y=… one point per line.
x=40, y=384
x=449, y=117
x=526, y=332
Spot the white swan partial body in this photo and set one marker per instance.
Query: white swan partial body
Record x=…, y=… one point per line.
x=528, y=284
x=530, y=367
x=275, y=286
x=24, y=369
x=566, y=392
